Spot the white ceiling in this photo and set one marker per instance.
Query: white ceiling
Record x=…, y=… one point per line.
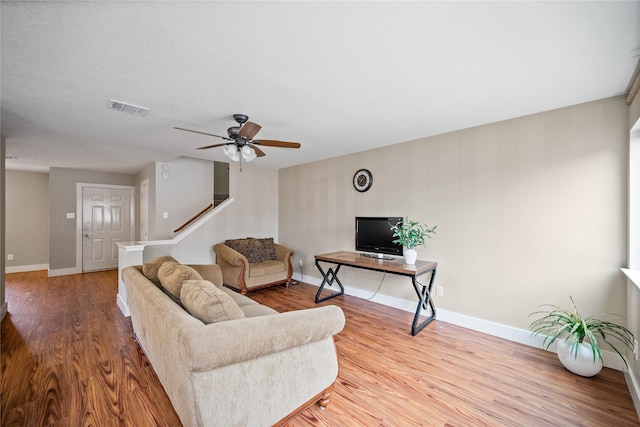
x=338, y=77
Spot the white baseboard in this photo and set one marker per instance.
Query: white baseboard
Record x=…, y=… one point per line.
x=64, y=272
x=522, y=336
x=25, y=268
x=124, y=308
x=634, y=390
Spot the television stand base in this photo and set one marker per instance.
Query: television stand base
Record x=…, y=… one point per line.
x=379, y=256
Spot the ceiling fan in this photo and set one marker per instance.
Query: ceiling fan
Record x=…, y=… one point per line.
x=241, y=144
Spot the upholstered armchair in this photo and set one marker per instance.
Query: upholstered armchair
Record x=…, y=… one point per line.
x=251, y=264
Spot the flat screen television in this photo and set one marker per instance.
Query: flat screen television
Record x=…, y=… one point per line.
x=374, y=236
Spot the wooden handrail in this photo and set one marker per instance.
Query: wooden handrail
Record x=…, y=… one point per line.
x=198, y=215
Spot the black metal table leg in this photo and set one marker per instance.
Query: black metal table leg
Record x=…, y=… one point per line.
x=424, y=302
x=329, y=278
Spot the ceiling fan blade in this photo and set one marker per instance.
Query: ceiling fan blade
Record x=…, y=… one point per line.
x=249, y=130
x=259, y=152
x=274, y=143
x=212, y=146
x=202, y=133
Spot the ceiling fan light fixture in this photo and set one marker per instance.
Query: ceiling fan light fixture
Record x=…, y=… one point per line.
x=231, y=151
x=242, y=145
x=248, y=153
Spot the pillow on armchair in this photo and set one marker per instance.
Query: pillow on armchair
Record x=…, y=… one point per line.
x=256, y=250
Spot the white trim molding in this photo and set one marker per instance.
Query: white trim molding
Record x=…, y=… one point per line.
x=25, y=268
x=63, y=272
x=522, y=336
x=132, y=253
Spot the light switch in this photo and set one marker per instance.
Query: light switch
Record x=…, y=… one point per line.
x=165, y=215
x=71, y=215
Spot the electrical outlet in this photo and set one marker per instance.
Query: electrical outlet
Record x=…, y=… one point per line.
x=165, y=215
x=439, y=291
x=9, y=257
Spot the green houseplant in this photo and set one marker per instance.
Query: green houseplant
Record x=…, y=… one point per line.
x=578, y=337
x=410, y=234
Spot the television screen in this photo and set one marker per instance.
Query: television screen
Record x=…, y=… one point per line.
x=374, y=235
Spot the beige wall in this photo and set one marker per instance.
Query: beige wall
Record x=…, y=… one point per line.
x=529, y=211
x=27, y=217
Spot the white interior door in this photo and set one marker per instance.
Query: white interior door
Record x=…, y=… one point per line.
x=106, y=220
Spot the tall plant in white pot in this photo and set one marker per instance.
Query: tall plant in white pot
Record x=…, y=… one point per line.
x=410, y=234
x=579, y=338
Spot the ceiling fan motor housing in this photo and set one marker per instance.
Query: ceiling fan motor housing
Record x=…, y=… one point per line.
x=233, y=132
x=240, y=118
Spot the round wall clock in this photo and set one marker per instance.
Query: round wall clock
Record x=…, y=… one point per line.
x=362, y=180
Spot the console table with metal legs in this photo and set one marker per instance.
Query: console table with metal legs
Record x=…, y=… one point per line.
x=392, y=266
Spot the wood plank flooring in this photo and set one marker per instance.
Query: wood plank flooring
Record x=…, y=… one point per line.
x=69, y=359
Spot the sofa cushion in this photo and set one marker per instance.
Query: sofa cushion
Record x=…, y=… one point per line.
x=266, y=268
x=150, y=269
x=257, y=310
x=208, y=303
x=172, y=275
x=256, y=250
x=239, y=299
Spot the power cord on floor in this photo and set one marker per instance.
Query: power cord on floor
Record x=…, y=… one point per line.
x=379, y=286
x=295, y=282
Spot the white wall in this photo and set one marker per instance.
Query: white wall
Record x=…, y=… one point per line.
x=633, y=288
x=182, y=193
x=254, y=213
x=529, y=211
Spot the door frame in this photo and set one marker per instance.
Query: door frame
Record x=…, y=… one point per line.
x=79, y=189
x=144, y=209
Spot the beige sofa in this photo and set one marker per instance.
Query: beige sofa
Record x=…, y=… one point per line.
x=260, y=369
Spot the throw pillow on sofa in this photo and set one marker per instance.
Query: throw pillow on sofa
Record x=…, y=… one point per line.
x=172, y=275
x=208, y=303
x=150, y=269
x=256, y=250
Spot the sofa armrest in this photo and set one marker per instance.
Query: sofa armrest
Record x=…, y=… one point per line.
x=225, y=343
x=210, y=272
x=283, y=253
x=230, y=255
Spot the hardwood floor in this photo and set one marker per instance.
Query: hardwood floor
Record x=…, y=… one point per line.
x=69, y=359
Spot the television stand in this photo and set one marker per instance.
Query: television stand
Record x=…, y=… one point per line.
x=378, y=256
x=396, y=266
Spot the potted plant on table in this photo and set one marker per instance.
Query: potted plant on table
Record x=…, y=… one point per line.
x=577, y=337
x=410, y=234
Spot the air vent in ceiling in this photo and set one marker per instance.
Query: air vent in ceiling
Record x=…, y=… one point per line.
x=127, y=108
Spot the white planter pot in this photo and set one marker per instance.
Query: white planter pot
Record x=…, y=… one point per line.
x=410, y=256
x=581, y=363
